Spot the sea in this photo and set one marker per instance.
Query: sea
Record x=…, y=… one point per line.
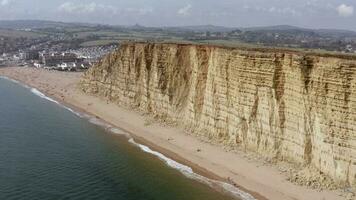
x=49, y=152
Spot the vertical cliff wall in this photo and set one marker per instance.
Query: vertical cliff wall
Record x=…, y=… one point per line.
x=284, y=105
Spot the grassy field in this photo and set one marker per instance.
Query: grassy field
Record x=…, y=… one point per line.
x=18, y=34
x=98, y=43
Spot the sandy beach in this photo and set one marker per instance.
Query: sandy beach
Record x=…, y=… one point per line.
x=260, y=180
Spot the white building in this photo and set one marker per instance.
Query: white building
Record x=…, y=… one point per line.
x=67, y=66
x=38, y=65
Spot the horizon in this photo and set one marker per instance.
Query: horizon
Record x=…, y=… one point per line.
x=310, y=14
x=174, y=26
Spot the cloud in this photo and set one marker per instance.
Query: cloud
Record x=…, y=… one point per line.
x=345, y=10
x=185, y=10
x=72, y=8
x=274, y=10
x=139, y=11
x=95, y=8
x=5, y=2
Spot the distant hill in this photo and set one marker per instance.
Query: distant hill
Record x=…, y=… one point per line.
x=203, y=28
x=37, y=24
x=273, y=28
x=288, y=28
x=275, y=36
x=336, y=32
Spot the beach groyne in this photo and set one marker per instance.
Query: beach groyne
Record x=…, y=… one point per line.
x=291, y=106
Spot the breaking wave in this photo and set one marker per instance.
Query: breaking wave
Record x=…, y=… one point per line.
x=188, y=172
x=40, y=94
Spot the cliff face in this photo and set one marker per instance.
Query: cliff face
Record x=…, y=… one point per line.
x=284, y=105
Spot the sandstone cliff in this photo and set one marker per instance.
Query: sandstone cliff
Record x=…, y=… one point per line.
x=282, y=104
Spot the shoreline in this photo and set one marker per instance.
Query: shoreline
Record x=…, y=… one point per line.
x=142, y=141
x=266, y=182
x=171, y=155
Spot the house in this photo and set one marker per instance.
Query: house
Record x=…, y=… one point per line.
x=55, y=59
x=67, y=66
x=38, y=65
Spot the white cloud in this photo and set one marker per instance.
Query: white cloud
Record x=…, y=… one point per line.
x=276, y=10
x=185, y=10
x=70, y=7
x=95, y=8
x=5, y=2
x=345, y=10
x=139, y=11
x=272, y=9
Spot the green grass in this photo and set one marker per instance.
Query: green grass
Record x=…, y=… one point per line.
x=18, y=34
x=96, y=33
x=98, y=43
x=239, y=44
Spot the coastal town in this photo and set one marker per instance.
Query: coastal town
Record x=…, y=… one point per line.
x=66, y=60
x=72, y=46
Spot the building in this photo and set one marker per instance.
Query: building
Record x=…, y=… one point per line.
x=38, y=65
x=67, y=66
x=54, y=59
x=29, y=55
x=71, y=66
x=349, y=48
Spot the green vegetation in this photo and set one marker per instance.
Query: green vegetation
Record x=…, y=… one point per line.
x=98, y=43
x=72, y=35
x=19, y=34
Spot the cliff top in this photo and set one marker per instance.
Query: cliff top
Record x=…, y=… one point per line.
x=261, y=49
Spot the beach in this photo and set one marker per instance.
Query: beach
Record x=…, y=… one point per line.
x=213, y=161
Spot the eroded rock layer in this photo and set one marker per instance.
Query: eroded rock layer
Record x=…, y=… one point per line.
x=285, y=105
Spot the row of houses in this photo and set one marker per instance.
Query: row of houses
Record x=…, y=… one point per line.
x=71, y=66
x=58, y=61
x=55, y=59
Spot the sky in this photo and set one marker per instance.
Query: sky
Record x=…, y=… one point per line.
x=336, y=14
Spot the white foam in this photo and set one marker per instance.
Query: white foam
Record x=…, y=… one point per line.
x=91, y=119
x=40, y=94
x=107, y=126
x=119, y=132
x=12, y=80
x=168, y=161
x=188, y=172
x=98, y=122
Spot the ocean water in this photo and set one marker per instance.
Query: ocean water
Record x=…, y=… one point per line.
x=50, y=152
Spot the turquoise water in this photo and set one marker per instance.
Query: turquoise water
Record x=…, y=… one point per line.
x=47, y=152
